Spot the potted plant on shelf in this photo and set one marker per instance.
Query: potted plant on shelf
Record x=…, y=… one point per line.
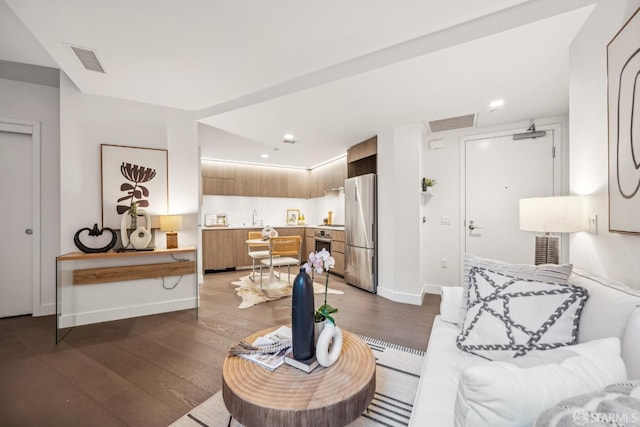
x=427, y=183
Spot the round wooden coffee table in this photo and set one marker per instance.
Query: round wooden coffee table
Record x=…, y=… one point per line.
x=332, y=396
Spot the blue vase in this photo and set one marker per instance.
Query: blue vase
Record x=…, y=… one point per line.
x=302, y=323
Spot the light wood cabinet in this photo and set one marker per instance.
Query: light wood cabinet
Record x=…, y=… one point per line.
x=229, y=179
x=337, y=251
x=362, y=158
x=327, y=177
x=364, y=149
x=225, y=249
x=218, y=249
x=218, y=178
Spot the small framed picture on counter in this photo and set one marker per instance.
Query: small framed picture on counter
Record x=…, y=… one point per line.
x=292, y=216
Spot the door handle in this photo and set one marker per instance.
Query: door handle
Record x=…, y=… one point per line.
x=28, y=231
x=472, y=226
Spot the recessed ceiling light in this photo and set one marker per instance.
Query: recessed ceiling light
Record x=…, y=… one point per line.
x=288, y=136
x=496, y=103
x=264, y=156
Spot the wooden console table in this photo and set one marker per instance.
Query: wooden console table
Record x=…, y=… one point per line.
x=130, y=265
x=332, y=396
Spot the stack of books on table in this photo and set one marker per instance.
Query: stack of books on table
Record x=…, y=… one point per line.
x=304, y=365
x=270, y=361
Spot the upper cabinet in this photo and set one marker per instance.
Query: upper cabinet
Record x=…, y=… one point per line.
x=328, y=177
x=236, y=179
x=363, y=158
x=218, y=178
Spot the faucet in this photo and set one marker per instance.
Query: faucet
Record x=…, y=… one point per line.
x=254, y=217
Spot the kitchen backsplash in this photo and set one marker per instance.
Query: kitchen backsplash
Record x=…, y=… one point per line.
x=273, y=210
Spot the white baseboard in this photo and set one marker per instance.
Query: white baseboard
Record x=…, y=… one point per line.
x=402, y=297
x=86, y=318
x=46, y=310
x=429, y=288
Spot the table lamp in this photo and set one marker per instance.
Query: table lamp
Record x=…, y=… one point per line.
x=171, y=224
x=564, y=214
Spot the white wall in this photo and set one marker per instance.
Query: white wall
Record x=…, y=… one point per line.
x=86, y=121
x=444, y=164
x=399, y=258
x=273, y=210
x=36, y=102
x=611, y=255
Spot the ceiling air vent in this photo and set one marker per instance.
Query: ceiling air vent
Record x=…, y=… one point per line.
x=452, y=123
x=88, y=58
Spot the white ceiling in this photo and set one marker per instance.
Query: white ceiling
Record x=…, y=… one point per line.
x=333, y=73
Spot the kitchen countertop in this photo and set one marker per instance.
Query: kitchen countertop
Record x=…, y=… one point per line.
x=250, y=227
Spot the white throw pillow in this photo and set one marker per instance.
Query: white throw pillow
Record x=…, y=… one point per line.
x=544, y=272
x=508, y=316
x=451, y=300
x=501, y=394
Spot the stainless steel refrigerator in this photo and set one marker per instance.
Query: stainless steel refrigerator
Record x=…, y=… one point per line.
x=361, y=232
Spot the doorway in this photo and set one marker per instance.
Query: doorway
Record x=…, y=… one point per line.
x=498, y=171
x=20, y=173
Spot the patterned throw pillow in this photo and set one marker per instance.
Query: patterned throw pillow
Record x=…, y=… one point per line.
x=555, y=273
x=509, y=316
x=618, y=404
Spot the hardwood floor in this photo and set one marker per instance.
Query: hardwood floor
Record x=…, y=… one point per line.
x=149, y=371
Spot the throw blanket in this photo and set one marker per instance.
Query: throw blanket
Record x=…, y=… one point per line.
x=616, y=405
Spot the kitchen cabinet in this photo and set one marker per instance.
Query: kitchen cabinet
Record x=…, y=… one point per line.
x=218, y=249
x=235, y=179
x=337, y=251
x=309, y=242
x=362, y=158
x=224, y=249
x=218, y=178
x=327, y=177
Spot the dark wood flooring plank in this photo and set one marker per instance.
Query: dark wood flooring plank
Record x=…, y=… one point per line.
x=150, y=370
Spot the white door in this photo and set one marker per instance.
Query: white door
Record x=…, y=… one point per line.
x=16, y=262
x=498, y=172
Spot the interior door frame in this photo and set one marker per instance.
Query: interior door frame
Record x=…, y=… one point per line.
x=32, y=128
x=558, y=181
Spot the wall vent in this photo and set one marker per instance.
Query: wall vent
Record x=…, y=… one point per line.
x=452, y=123
x=88, y=58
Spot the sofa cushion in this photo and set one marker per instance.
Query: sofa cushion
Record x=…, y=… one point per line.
x=443, y=362
x=545, y=273
x=509, y=316
x=502, y=394
x=450, y=303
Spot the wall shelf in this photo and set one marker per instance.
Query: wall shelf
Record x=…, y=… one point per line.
x=123, y=284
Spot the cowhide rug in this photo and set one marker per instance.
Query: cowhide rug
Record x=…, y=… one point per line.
x=251, y=294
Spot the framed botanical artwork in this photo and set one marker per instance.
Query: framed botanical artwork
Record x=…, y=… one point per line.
x=132, y=174
x=623, y=69
x=292, y=216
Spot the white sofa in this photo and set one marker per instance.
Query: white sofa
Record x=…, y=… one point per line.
x=612, y=310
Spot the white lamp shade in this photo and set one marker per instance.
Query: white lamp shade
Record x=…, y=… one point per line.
x=171, y=222
x=552, y=214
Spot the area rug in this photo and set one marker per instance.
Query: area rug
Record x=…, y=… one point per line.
x=251, y=293
x=397, y=375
